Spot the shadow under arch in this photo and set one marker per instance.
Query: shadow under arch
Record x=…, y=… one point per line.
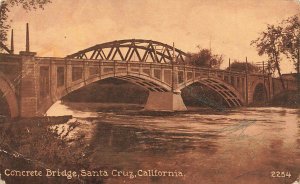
x=8, y=91
x=259, y=91
x=260, y=94
x=146, y=82
x=230, y=95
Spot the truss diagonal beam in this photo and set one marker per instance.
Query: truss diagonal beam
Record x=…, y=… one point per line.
x=158, y=51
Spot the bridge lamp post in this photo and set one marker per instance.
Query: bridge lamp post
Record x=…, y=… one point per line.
x=246, y=71
x=172, y=63
x=27, y=50
x=12, y=50
x=264, y=90
x=298, y=66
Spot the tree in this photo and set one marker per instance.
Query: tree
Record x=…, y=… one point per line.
x=270, y=43
x=5, y=6
x=3, y=24
x=204, y=58
x=291, y=39
x=291, y=42
x=238, y=66
x=270, y=67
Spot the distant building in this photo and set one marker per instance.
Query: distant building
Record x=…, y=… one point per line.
x=289, y=76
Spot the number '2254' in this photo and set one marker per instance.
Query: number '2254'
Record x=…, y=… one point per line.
x=280, y=174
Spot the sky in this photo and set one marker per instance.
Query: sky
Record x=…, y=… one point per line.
x=227, y=26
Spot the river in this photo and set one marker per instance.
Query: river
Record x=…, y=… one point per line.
x=244, y=146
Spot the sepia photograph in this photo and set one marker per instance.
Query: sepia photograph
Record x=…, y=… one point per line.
x=149, y=91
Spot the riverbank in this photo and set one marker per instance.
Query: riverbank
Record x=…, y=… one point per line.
x=290, y=99
x=39, y=144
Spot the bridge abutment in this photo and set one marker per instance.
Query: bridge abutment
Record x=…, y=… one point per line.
x=165, y=101
x=28, y=86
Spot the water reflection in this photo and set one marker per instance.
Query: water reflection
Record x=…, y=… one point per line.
x=127, y=139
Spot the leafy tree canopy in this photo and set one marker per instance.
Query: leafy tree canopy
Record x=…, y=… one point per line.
x=291, y=39
x=5, y=6
x=205, y=58
x=278, y=40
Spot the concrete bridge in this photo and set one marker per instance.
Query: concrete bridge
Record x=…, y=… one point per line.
x=32, y=84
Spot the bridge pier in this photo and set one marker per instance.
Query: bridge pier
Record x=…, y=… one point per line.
x=165, y=101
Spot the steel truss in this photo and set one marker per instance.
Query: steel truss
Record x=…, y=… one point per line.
x=135, y=50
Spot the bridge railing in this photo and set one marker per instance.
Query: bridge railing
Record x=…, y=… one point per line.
x=164, y=65
x=10, y=58
x=17, y=58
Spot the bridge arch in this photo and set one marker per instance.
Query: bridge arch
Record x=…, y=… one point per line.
x=9, y=93
x=258, y=91
x=146, y=82
x=230, y=95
